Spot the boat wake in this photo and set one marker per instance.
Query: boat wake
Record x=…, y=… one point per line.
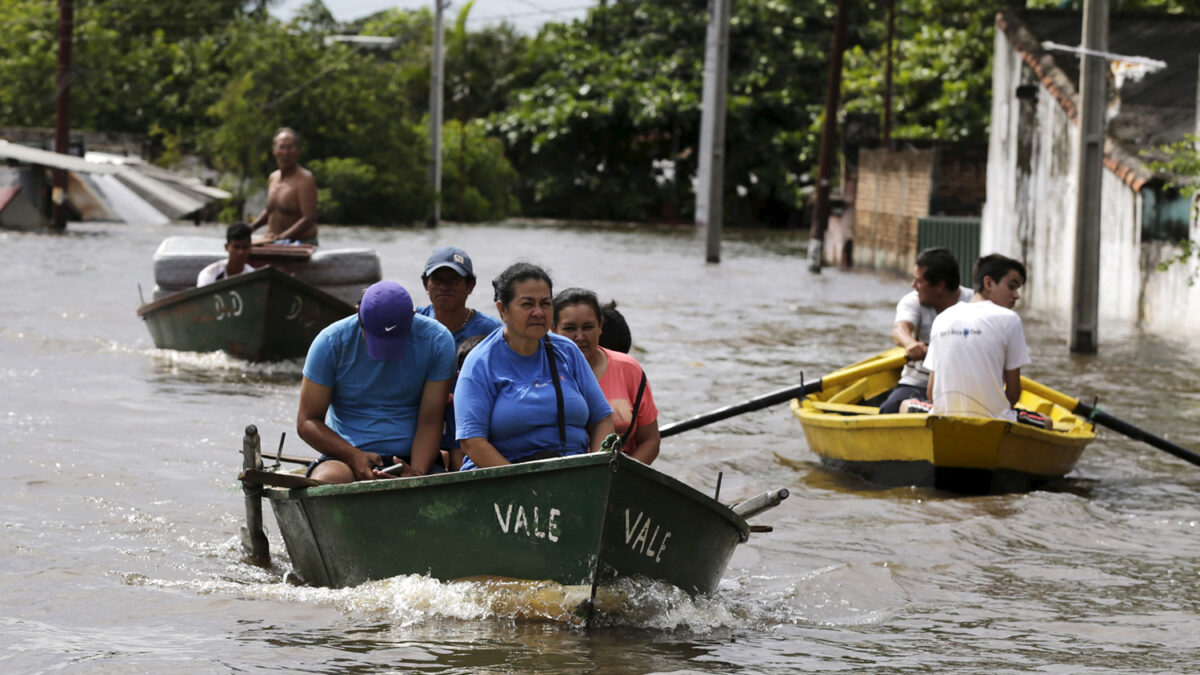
x=415, y=600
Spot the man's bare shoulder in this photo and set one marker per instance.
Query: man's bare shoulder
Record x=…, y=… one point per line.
x=274, y=177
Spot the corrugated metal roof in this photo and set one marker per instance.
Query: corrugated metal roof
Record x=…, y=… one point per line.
x=173, y=195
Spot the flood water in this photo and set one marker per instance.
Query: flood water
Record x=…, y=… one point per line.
x=120, y=508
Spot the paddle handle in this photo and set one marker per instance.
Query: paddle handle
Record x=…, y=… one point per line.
x=756, y=403
x=893, y=358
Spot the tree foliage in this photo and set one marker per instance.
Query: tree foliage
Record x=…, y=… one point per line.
x=599, y=118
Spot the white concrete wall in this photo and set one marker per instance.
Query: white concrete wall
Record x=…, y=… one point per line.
x=1032, y=217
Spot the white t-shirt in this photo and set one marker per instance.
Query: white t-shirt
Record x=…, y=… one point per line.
x=216, y=271
x=970, y=347
x=921, y=317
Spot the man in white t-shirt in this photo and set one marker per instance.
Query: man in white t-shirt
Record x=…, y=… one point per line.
x=237, y=245
x=977, y=349
x=935, y=288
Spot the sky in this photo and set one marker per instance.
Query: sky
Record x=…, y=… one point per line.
x=526, y=15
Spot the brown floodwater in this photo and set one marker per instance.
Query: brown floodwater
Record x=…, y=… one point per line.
x=120, y=508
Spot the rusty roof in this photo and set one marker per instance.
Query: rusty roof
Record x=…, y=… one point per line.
x=1158, y=109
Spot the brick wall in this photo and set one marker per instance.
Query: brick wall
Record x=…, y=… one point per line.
x=894, y=190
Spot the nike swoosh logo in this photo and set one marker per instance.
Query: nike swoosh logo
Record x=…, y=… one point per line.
x=388, y=329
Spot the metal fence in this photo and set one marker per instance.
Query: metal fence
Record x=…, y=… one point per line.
x=960, y=234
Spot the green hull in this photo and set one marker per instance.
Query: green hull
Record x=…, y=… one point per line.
x=577, y=520
x=265, y=315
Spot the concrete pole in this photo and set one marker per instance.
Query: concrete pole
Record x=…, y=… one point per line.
x=62, y=113
x=833, y=97
x=710, y=183
x=435, y=113
x=1093, y=100
x=887, y=74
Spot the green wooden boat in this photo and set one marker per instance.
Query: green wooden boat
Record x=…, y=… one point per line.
x=265, y=315
x=578, y=521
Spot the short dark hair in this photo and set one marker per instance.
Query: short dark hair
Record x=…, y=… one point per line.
x=576, y=296
x=614, y=334
x=466, y=346
x=504, y=287
x=237, y=232
x=940, y=267
x=997, y=267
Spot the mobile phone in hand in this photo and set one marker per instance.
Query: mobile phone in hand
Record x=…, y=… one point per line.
x=393, y=470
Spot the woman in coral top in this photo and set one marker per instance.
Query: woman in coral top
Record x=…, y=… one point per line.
x=577, y=315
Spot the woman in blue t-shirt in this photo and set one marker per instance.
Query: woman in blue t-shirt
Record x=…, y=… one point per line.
x=524, y=393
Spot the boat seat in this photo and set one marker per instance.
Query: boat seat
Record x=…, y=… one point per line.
x=845, y=408
x=853, y=392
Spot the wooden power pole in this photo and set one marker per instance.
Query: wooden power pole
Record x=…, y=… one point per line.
x=710, y=183
x=1093, y=97
x=435, y=113
x=62, y=113
x=833, y=96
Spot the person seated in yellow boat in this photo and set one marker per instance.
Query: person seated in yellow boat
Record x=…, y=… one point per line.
x=525, y=393
x=934, y=289
x=977, y=349
x=374, y=390
x=237, y=245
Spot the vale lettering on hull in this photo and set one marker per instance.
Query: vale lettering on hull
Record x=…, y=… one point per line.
x=533, y=522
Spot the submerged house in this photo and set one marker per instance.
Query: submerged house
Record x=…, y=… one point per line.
x=1032, y=173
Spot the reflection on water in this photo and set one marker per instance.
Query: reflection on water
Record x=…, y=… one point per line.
x=121, y=510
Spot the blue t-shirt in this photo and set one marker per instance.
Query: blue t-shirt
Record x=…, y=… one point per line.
x=509, y=399
x=478, y=324
x=375, y=404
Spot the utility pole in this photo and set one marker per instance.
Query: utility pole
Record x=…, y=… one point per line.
x=62, y=114
x=1093, y=95
x=887, y=74
x=833, y=95
x=435, y=114
x=710, y=186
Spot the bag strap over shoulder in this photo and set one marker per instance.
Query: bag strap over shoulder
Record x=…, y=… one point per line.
x=637, y=403
x=558, y=395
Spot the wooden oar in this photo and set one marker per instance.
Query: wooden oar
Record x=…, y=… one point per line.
x=1114, y=423
x=890, y=359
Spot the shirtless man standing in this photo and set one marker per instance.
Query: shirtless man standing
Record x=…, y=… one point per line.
x=291, y=211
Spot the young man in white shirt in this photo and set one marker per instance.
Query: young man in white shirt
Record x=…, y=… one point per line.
x=977, y=349
x=237, y=245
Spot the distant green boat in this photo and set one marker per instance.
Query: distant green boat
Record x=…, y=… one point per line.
x=581, y=520
x=265, y=315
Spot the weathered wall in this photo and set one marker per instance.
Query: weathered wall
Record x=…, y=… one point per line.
x=1030, y=212
x=894, y=190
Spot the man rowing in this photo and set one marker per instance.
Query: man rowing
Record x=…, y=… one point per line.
x=935, y=288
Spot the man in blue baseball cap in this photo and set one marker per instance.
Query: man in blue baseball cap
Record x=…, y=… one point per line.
x=449, y=277
x=374, y=390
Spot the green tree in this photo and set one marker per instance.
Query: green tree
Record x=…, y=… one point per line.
x=477, y=180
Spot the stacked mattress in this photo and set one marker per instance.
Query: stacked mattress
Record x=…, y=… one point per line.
x=343, y=272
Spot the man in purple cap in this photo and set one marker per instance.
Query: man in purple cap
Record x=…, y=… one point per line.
x=375, y=388
x=449, y=277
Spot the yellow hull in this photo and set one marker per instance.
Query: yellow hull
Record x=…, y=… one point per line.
x=967, y=454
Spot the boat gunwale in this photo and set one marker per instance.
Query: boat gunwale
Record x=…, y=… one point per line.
x=270, y=274
x=1081, y=431
x=553, y=465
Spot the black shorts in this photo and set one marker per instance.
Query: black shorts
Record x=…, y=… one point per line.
x=388, y=460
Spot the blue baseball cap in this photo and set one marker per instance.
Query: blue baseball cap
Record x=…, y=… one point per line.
x=450, y=256
x=386, y=314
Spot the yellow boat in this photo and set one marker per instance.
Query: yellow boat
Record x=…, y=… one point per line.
x=961, y=454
